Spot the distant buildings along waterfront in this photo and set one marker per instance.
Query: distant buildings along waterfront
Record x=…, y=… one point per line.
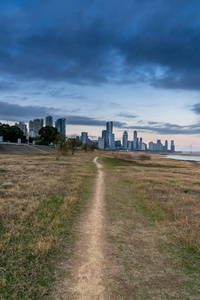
x=107, y=139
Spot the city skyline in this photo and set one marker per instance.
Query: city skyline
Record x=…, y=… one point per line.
x=107, y=139
x=136, y=63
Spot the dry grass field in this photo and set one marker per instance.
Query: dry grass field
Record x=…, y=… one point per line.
x=154, y=207
x=40, y=201
x=152, y=224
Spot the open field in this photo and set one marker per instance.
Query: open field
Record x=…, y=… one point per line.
x=154, y=208
x=40, y=201
x=151, y=236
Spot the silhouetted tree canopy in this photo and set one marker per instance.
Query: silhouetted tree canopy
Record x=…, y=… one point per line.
x=48, y=134
x=11, y=133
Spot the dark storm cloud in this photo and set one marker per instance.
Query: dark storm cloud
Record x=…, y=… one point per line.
x=86, y=121
x=196, y=108
x=15, y=112
x=167, y=128
x=93, y=42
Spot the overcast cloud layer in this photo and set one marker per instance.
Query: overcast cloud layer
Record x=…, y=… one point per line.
x=135, y=62
x=16, y=112
x=92, y=42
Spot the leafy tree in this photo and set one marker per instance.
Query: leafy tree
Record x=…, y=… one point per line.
x=48, y=134
x=85, y=147
x=72, y=144
x=93, y=147
x=11, y=133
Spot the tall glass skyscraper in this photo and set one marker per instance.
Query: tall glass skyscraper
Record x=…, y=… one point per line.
x=111, y=138
x=60, y=124
x=125, y=140
x=105, y=137
x=135, y=140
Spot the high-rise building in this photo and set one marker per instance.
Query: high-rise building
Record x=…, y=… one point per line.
x=101, y=143
x=113, y=141
x=151, y=146
x=159, y=145
x=111, y=138
x=84, y=137
x=125, y=140
x=22, y=126
x=143, y=146
x=130, y=145
x=49, y=121
x=172, y=146
x=135, y=140
x=140, y=143
x=60, y=124
x=118, y=144
x=166, y=146
x=35, y=126
x=105, y=136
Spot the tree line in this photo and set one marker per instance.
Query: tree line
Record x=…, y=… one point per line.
x=48, y=135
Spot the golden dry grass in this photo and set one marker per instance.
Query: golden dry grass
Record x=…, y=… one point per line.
x=40, y=198
x=172, y=185
x=153, y=207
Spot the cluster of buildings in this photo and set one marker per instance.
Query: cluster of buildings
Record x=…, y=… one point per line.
x=106, y=141
x=37, y=124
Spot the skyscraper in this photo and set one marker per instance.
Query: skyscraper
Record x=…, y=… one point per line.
x=101, y=143
x=118, y=144
x=140, y=144
x=111, y=139
x=49, y=121
x=60, y=124
x=125, y=140
x=159, y=145
x=135, y=140
x=166, y=145
x=84, y=137
x=105, y=136
x=35, y=126
x=172, y=146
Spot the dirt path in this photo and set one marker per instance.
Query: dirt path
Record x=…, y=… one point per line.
x=89, y=262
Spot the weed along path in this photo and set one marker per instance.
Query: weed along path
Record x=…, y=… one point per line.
x=87, y=275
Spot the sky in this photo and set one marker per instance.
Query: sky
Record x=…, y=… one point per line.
x=133, y=62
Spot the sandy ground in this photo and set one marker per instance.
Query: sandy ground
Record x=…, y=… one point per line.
x=90, y=262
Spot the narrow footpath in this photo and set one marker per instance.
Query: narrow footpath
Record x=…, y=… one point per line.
x=87, y=278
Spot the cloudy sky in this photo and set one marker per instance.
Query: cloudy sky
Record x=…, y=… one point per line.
x=134, y=62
